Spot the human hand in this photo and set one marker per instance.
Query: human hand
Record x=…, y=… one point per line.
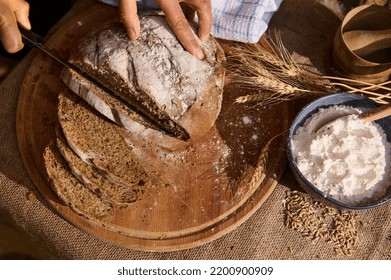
x=176, y=19
x=11, y=12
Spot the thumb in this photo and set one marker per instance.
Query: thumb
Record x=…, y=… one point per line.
x=9, y=33
x=22, y=14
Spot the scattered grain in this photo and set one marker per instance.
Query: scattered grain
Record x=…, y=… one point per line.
x=316, y=221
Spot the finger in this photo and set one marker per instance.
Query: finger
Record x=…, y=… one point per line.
x=129, y=17
x=203, y=8
x=204, y=13
x=22, y=14
x=189, y=12
x=180, y=26
x=9, y=32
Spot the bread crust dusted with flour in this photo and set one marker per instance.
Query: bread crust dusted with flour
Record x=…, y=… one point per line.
x=156, y=71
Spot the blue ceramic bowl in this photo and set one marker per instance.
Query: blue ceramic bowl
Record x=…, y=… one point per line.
x=347, y=99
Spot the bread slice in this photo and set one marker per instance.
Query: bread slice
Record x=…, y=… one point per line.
x=92, y=179
x=98, y=141
x=70, y=191
x=156, y=71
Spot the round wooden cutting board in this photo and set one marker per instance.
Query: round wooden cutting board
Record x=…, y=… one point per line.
x=216, y=193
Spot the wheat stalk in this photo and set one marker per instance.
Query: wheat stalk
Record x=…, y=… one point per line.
x=272, y=78
x=261, y=164
x=370, y=90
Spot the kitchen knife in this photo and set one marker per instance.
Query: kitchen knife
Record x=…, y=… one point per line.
x=156, y=117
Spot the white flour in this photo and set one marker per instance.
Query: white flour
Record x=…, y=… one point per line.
x=349, y=161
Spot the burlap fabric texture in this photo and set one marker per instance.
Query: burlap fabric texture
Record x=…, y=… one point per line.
x=306, y=28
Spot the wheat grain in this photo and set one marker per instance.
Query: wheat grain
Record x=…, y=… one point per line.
x=315, y=221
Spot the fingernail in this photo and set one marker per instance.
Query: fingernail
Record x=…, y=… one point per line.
x=132, y=35
x=26, y=23
x=199, y=53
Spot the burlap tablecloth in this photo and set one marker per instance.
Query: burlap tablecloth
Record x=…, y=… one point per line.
x=306, y=28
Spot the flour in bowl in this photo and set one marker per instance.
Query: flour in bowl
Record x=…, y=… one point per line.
x=349, y=161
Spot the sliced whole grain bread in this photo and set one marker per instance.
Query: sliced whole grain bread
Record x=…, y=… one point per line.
x=72, y=192
x=155, y=70
x=92, y=179
x=98, y=141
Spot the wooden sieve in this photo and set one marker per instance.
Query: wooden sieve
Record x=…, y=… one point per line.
x=362, y=44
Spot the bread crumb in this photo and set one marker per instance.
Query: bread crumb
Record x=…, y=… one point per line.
x=31, y=196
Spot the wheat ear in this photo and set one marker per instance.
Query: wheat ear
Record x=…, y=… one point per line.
x=269, y=78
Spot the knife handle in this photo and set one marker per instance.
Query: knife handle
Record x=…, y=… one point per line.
x=29, y=37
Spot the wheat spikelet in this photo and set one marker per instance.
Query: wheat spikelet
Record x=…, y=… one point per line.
x=270, y=78
x=270, y=99
x=260, y=167
x=261, y=76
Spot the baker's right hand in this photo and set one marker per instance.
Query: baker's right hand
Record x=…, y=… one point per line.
x=11, y=12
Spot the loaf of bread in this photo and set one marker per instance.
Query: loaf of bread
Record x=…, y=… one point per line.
x=154, y=70
x=102, y=158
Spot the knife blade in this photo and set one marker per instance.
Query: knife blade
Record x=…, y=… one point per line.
x=156, y=117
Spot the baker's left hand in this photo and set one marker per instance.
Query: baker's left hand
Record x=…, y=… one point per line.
x=176, y=18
